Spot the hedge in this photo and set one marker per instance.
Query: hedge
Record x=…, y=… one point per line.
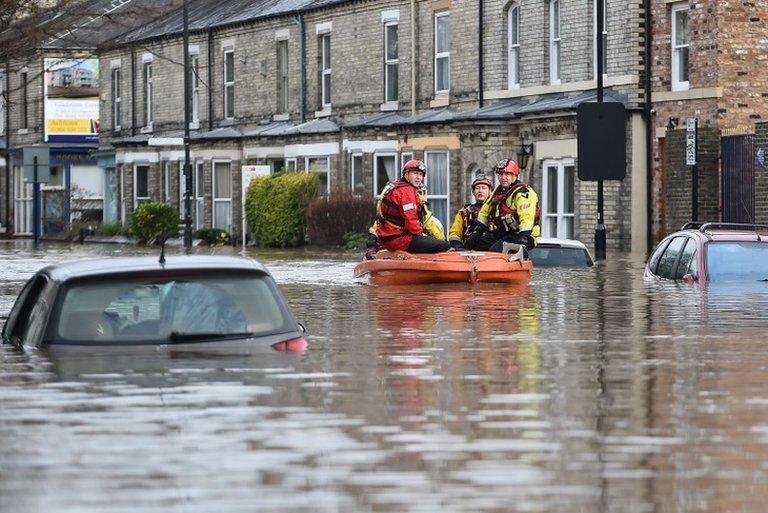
x=275, y=206
x=332, y=219
x=152, y=220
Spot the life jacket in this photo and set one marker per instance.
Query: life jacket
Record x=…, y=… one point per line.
x=388, y=211
x=501, y=215
x=469, y=214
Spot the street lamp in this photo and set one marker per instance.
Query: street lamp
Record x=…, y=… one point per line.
x=524, y=153
x=187, y=166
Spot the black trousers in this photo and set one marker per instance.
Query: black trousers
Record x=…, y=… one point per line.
x=427, y=244
x=493, y=241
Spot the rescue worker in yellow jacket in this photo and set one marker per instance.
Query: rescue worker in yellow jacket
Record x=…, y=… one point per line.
x=466, y=218
x=510, y=214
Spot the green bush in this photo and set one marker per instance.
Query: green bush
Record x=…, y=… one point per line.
x=109, y=229
x=355, y=241
x=275, y=206
x=213, y=236
x=331, y=218
x=152, y=220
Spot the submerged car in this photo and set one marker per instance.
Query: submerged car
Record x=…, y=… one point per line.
x=151, y=301
x=551, y=252
x=711, y=252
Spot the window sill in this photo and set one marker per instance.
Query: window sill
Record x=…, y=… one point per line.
x=22, y=131
x=323, y=113
x=390, y=106
x=147, y=129
x=194, y=125
x=582, y=85
x=281, y=117
x=439, y=101
x=227, y=122
x=691, y=94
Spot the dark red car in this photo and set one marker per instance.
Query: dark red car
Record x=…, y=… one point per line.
x=711, y=252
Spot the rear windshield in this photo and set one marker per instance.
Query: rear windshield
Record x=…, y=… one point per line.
x=559, y=257
x=737, y=261
x=152, y=310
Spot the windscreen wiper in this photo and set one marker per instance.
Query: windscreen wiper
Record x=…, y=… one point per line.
x=176, y=336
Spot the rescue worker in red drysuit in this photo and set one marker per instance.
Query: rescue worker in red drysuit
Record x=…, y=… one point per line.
x=401, y=214
x=466, y=218
x=510, y=214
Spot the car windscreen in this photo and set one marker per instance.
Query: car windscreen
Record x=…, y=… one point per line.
x=559, y=257
x=737, y=261
x=140, y=310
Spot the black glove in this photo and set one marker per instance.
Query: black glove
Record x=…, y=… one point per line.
x=471, y=241
x=526, y=240
x=372, y=241
x=457, y=245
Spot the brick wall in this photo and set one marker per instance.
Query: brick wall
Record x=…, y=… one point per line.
x=680, y=178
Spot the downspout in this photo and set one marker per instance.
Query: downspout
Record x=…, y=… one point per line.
x=302, y=66
x=8, y=188
x=413, y=57
x=648, y=112
x=133, y=90
x=480, y=53
x=210, y=80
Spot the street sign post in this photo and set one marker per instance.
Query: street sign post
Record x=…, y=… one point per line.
x=249, y=173
x=691, y=159
x=37, y=168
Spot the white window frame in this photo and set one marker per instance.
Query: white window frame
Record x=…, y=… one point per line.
x=442, y=55
x=198, y=197
x=116, y=97
x=214, y=192
x=327, y=169
x=605, y=38
x=446, y=196
x=558, y=212
x=22, y=203
x=405, y=157
x=679, y=85
x=391, y=62
x=325, y=90
x=147, y=74
x=194, y=69
x=291, y=164
x=352, y=174
x=554, y=42
x=377, y=186
x=227, y=85
x=136, y=197
x=282, y=77
x=513, y=47
x=167, y=181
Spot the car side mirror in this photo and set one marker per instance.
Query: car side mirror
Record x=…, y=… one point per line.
x=303, y=329
x=689, y=279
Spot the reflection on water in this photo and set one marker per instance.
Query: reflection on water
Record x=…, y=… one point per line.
x=586, y=390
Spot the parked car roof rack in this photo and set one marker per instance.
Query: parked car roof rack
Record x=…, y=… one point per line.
x=732, y=226
x=693, y=225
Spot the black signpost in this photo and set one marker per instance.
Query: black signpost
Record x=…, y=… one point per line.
x=691, y=159
x=37, y=170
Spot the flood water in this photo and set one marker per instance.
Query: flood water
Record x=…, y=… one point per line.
x=585, y=391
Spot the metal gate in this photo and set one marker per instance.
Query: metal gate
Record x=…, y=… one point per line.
x=738, y=178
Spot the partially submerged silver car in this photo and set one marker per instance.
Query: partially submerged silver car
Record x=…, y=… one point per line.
x=139, y=301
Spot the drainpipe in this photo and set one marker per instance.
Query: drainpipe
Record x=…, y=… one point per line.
x=302, y=66
x=8, y=187
x=648, y=126
x=413, y=57
x=210, y=80
x=480, y=52
x=133, y=90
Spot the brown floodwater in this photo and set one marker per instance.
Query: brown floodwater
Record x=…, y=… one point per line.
x=585, y=391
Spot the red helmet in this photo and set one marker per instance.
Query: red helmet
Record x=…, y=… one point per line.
x=482, y=179
x=507, y=166
x=414, y=165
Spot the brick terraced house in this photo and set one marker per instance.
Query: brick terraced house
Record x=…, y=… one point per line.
x=352, y=89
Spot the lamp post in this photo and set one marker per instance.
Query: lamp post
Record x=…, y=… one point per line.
x=187, y=166
x=524, y=153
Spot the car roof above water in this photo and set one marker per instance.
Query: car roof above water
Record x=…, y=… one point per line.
x=564, y=243
x=109, y=266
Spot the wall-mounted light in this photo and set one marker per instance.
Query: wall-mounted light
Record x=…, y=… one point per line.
x=524, y=153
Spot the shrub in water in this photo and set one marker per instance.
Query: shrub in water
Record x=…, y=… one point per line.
x=275, y=206
x=152, y=220
x=213, y=236
x=331, y=218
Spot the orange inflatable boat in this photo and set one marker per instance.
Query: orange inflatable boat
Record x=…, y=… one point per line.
x=402, y=268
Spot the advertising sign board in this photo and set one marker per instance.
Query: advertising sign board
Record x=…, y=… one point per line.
x=71, y=100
